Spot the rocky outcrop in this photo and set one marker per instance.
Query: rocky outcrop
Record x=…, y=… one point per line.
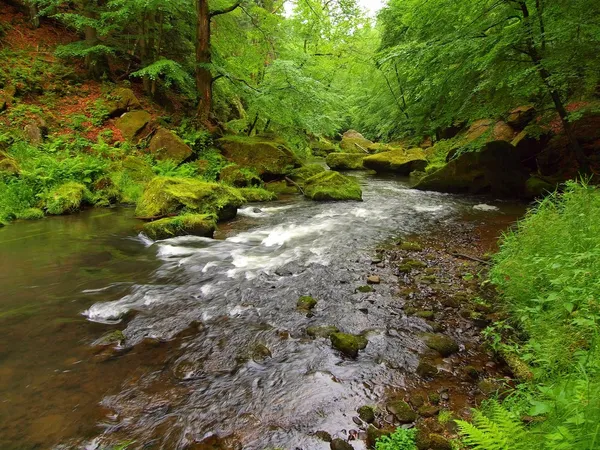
x=330, y=185
x=345, y=161
x=301, y=174
x=322, y=147
x=520, y=117
x=167, y=145
x=195, y=224
x=120, y=101
x=132, y=124
x=354, y=142
x=167, y=196
x=270, y=159
x=401, y=162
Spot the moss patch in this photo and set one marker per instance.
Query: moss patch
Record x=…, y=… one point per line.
x=239, y=177
x=408, y=265
x=352, y=141
x=301, y=174
x=332, y=185
x=167, y=195
x=132, y=123
x=398, y=161
x=348, y=344
x=31, y=214
x=196, y=224
x=444, y=345
x=167, y=145
x=322, y=332
x=345, y=161
x=254, y=194
x=306, y=303
x=66, y=198
x=402, y=411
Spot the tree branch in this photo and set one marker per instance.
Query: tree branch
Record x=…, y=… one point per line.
x=229, y=9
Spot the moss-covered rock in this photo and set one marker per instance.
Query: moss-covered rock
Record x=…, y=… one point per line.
x=281, y=188
x=354, y=142
x=167, y=145
x=364, y=289
x=424, y=314
x=196, y=224
x=110, y=338
x=268, y=158
x=137, y=169
x=397, y=161
x=348, y=344
x=373, y=434
x=330, y=185
x=366, y=414
x=340, y=444
x=306, y=303
x=165, y=196
x=131, y=124
x=66, y=198
x=256, y=194
x=239, y=177
x=8, y=165
x=301, y=174
x=534, y=187
x=408, y=265
x=411, y=246
x=321, y=332
x=345, y=161
x=444, y=345
x=402, y=410
x=322, y=147
x=121, y=100
x=426, y=369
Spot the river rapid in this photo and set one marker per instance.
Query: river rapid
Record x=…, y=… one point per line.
x=215, y=350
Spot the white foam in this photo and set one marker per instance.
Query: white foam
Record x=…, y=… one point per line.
x=484, y=207
x=432, y=208
x=251, y=211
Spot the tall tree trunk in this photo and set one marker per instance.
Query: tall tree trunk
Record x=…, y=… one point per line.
x=96, y=64
x=203, y=61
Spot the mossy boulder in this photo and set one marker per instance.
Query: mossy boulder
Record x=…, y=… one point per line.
x=239, y=177
x=330, y=185
x=348, y=344
x=137, y=169
x=534, y=187
x=354, y=142
x=121, y=100
x=345, y=161
x=256, y=194
x=401, y=162
x=281, y=188
x=132, y=124
x=301, y=174
x=166, y=196
x=269, y=158
x=195, y=224
x=66, y=198
x=321, y=332
x=444, y=345
x=322, y=147
x=402, y=411
x=426, y=369
x=340, y=444
x=167, y=145
x=8, y=165
x=366, y=414
x=306, y=303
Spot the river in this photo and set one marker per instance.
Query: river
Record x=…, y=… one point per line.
x=215, y=346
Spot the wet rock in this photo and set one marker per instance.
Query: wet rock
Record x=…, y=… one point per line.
x=428, y=411
x=364, y=289
x=132, y=124
x=411, y=246
x=357, y=421
x=194, y=224
x=373, y=279
x=366, y=413
x=399, y=161
x=323, y=435
x=444, y=345
x=490, y=386
x=444, y=396
x=426, y=370
x=167, y=145
x=260, y=352
x=376, y=260
x=345, y=161
x=321, y=332
x=402, y=411
x=348, y=344
x=424, y=314
x=110, y=338
x=332, y=186
x=306, y=303
x=340, y=444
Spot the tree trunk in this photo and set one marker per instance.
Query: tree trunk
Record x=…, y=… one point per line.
x=203, y=60
x=97, y=65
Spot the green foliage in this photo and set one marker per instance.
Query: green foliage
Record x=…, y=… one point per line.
x=401, y=439
x=169, y=168
x=169, y=73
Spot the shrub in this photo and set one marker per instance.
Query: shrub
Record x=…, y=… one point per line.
x=401, y=439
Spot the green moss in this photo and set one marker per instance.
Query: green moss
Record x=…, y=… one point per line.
x=166, y=145
x=255, y=194
x=366, y=413
x=306, y=303
x=137, y=168
x=239, y=177
x=322, y=332
x=8, y=165
x=167, y=195
x=365, y=289
x=322, y=147
x=301, y=174
x=408, y=265
x=444, y=345
x=31, y=214
x=332, y=185
x=196, y=224
x=348, y=344
x=132, y=123
x=402, y=411
x=345, y=161
x=424, y=314
x=113, y=337
x=65, y=198
x=352, y=141
x=281, y=187
x=398, y=161
x=411, y=246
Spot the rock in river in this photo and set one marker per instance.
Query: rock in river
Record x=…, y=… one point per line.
x=348, y=344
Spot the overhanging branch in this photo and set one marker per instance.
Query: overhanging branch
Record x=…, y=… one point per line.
x=229, y=9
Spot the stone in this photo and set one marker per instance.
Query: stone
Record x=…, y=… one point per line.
x=120, y=101
x=132, y=124
x=401, y=162
x=366, y=414
x=194, y=224
x=301, y=174
x=348, y=344
x=322, y=147
x=34, y=134
x=238, y=177
x=260, y=352
x=520, y=117
x=321, y=332
x=439, y=442
x=332, y=186
x=444, y=345
x=373, y=434
x=402, y=411
x=340, y=444
x=426, y=370
x=167, y=145
x=364, y=289
x=306, y=303
x=65, y=198
x=345, y=161
x=428, y=411
x=354, y=142
x=536, y=187
x=323, y=435
x=269, y=158
x=373, y=279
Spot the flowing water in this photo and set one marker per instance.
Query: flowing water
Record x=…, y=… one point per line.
x=215, y=346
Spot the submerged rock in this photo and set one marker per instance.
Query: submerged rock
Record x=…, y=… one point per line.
x=400, y=161
x=364, y=289
x=345, y=161
x=268, y=158
x=168, y=195
x=444, y=345
x=306, y=303
x=321, y=332
x=195, y=224
x=366, y=414
x=330, y=185
x=348, y=344
x=340, y=444
x=66, y=198
x=323, y=435
x=167, y=145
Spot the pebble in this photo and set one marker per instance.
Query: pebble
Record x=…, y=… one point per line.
x=373, y=279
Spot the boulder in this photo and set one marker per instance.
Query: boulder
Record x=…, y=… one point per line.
x=301, y=174
x=120, y=101
x=330, y=186
x=195, y=224
x=322, y=147
x=366, y=414
x=268, y=158
x=132, y=124
x=256, y=194
x=8, y=165
x=348, y=344
x=536, y=187
x=489, y=131
x=520, y=117
x=165, y=196
x=397, y=161
x=66, y=198
x=354, y=142
x=167, y=145
x=239, y=177
x=345, y=161
x=137, y=169
x=444, y=345
x=496, y=169
x=402, y=411
x=321, y=332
